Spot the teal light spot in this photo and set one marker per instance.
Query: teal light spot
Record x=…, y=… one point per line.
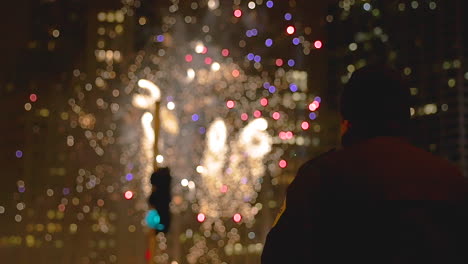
x=153, y=219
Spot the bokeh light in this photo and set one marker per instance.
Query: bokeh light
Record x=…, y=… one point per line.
x=276, y=115
x=235, y=73
x=293, y=87
x=237, y=218
x=296, y=41
x=244, y=116
x=237, y=13
x=230, y=104
x=225, y=52
x=318, y=44
x=201, y=217
x=160, y=38
x=282, y=164
x=129, y=177
x=33, y=97
x=312, y=116
x=279, y=62
x=314, y=106
x=128, y=195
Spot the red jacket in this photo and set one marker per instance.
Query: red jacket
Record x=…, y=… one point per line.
x=339, y=208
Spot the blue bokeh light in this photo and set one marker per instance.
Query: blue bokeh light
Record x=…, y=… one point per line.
x=269, y=4
x=160, y=38
x=312, y=116
x=268, y=42
x=296, y=41
x=129, y=177
x=293, y=87
x=287, y=16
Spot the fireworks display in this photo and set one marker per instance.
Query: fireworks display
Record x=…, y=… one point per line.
x=222, y=88
x=235, y=107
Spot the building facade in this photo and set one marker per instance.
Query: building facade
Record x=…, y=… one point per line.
x=63, y=197
x=425, y=41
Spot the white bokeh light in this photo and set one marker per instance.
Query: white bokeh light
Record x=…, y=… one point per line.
x=171, y=106
x=215, y=66
x=147, y=101
x=190, y=74
x=199, y=48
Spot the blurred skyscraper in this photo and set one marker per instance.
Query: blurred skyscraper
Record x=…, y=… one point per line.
x=43, y=40
x=427, y=42
x=57, y=175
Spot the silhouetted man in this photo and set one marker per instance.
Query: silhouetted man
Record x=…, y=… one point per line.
x=337, y=208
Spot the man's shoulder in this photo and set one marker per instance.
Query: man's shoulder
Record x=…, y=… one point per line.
x=381, y=151
x=404, y=150
x=321, y=158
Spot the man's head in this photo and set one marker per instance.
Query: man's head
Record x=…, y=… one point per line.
x=375, y=102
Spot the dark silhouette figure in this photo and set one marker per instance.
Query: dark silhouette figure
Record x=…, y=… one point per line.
x=338, y=208
x=161, y=196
